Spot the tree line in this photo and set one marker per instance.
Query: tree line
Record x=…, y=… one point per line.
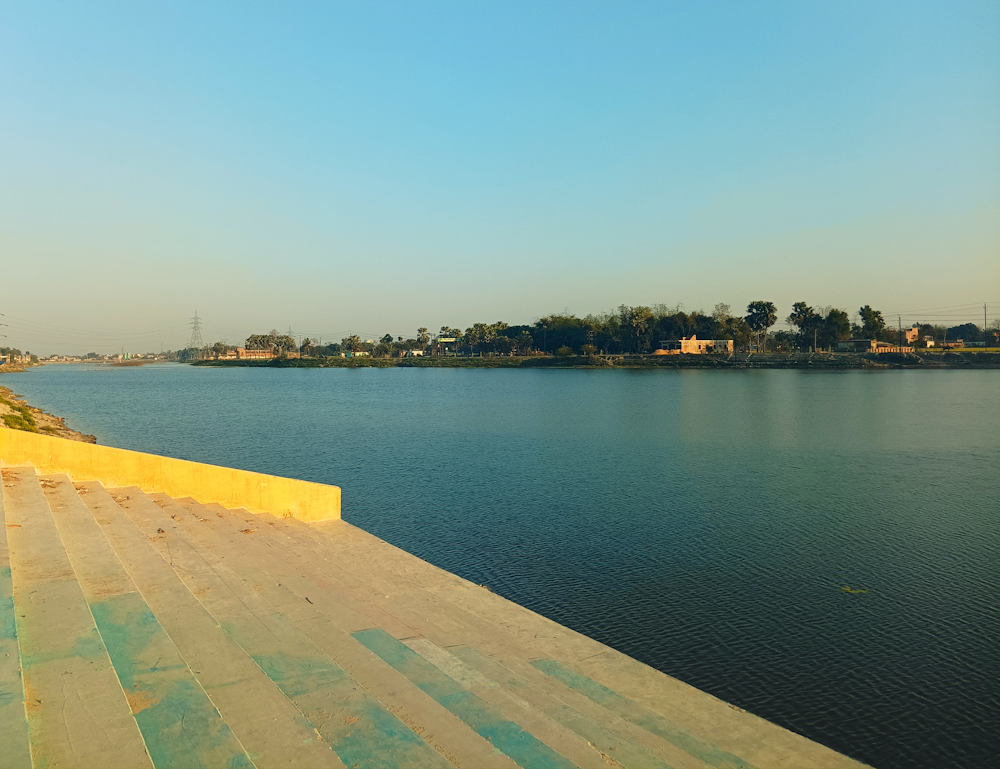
x=626, y=330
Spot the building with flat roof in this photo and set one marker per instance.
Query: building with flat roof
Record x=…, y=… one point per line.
x=692, y=345
x=870, y=345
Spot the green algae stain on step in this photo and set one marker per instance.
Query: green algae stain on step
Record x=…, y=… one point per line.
x=16, y=753
x=87, y=647
x=506, y=736
x=298, y=676
x=630, y=711
x=179, y=723
x=8, y=622
x=361, y=732
x=593, y=731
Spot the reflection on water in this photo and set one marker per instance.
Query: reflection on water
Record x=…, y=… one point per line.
x=704, y=522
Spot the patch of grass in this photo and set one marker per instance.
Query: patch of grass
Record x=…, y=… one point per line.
x=21, y=419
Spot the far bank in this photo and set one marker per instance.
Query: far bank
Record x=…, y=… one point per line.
x=735, y=361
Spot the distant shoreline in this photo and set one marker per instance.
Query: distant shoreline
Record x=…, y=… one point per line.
x=977, y=360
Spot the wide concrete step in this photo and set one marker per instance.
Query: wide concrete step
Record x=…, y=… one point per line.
x=504, y=723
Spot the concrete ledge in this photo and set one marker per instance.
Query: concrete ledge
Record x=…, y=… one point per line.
x=230, y=488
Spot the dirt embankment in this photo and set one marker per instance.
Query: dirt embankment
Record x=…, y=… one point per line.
x=18, y=415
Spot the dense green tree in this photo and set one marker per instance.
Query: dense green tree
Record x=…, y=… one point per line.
x=554, y=331
x=872, y=322
x=836, y=326
x=740, y=332
x=352, y=343
x=503, y=345
x=808, y=322
x=258, y=342
x=760, y=317
x=284, y=343
x=637, y=323
x=967, y=332
x=802, y=314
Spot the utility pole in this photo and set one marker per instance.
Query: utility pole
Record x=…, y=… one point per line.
x=899, y=319
x=985, y=348
x=815, y=335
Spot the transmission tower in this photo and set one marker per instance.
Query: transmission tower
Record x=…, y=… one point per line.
x=196, y=340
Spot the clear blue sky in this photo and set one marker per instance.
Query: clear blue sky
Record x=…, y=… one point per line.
x=374, y=167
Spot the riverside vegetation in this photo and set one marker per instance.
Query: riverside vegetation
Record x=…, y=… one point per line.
x=18, y=415
x=621, y=337
x=567, y=361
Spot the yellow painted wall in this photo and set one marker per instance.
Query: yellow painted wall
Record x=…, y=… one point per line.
x=231, y=488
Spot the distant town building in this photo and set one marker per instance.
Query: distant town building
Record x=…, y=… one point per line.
x=869, y=345
x=244, y=354
x=692, y=345
x=912, y=335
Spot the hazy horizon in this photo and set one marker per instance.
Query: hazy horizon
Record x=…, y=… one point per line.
x=374, y=168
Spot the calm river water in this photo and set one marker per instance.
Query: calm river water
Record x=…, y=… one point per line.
x=703, y=522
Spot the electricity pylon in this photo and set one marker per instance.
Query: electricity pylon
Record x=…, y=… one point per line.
x=196, y=340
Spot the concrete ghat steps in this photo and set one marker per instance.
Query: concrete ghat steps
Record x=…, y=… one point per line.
x=505, y=642
x=450, y=626
x=76, y=710
x=583, y=740
x=523, y=734
x=271, y=728
x=674, y=721
x=158, y=632
x=163, y=693
x=321, y=619
x=344, y=714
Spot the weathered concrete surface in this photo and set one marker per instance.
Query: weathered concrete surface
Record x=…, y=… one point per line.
x=220, y=637
x=77, y=712
x=16, y=753
x=179, y=478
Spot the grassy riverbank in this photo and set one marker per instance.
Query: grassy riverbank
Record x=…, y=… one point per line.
x=18, y=415
x=737, y=361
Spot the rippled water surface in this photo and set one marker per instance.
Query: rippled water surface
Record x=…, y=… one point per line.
x=703, y=522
